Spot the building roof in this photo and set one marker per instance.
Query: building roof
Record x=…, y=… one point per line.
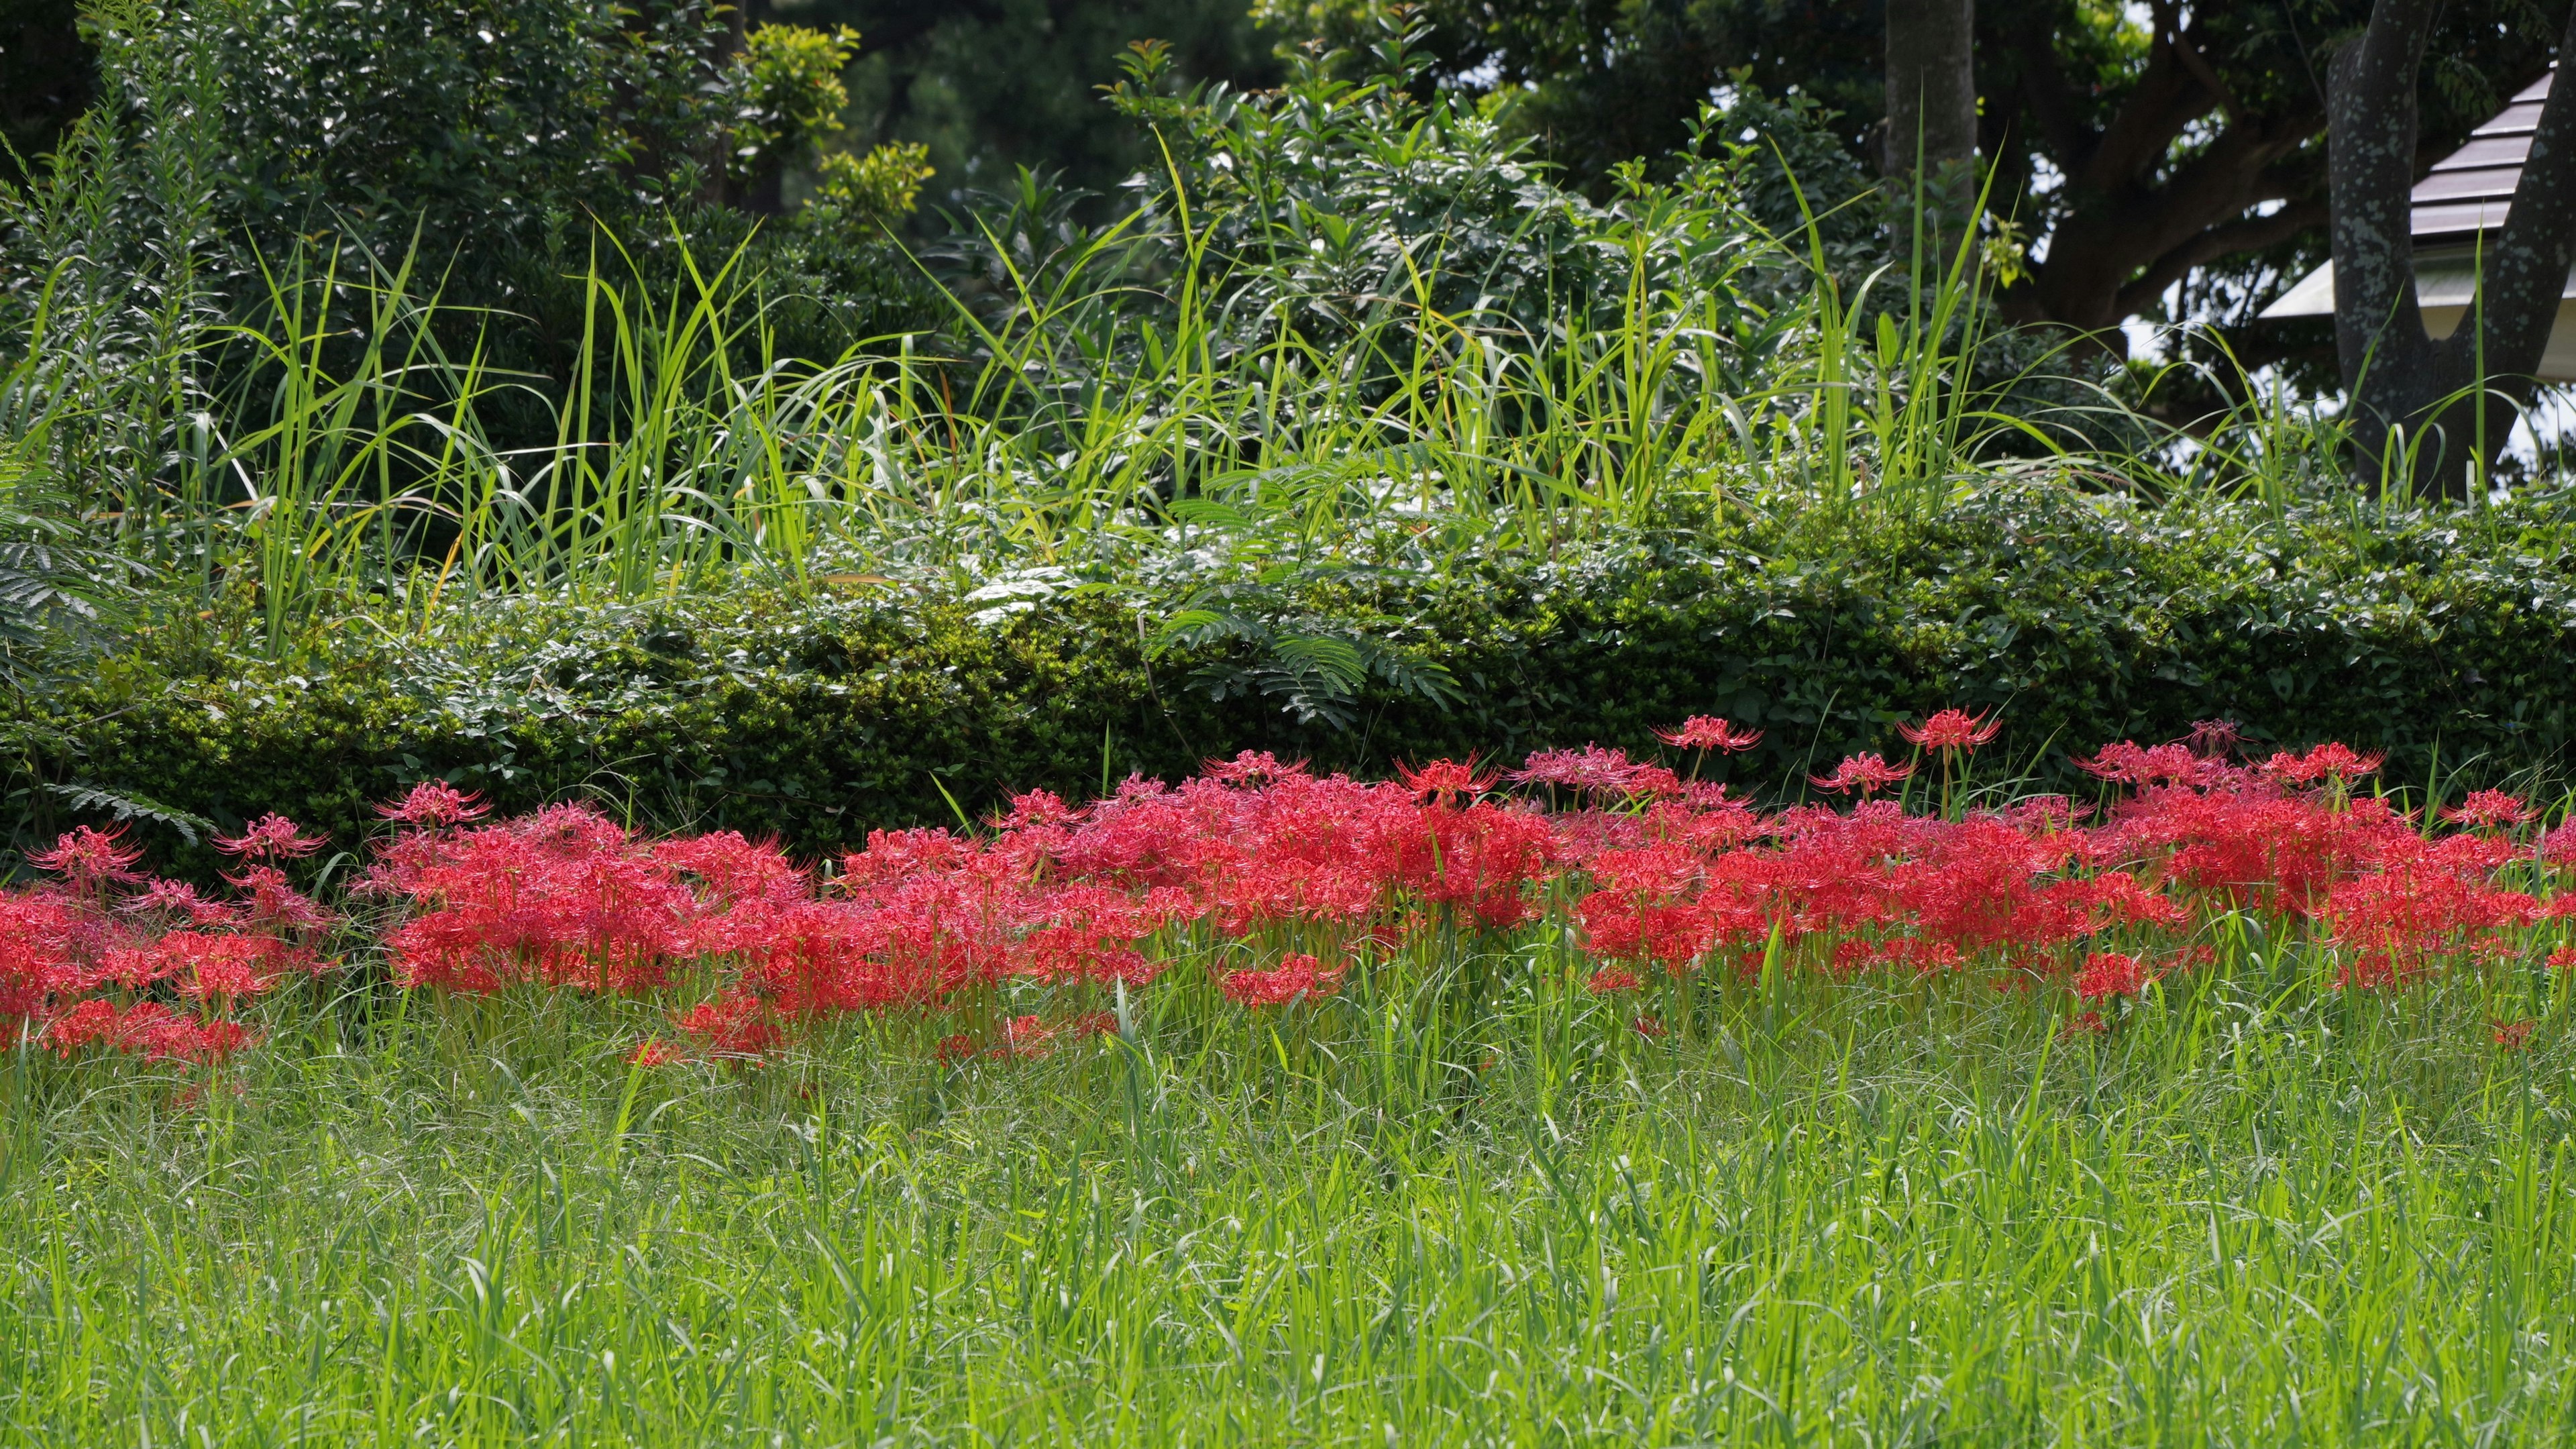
x=2466, y=193
x=2470, y=189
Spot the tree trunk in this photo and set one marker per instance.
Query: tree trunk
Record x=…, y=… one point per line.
x=1931, y=85
x=1932, y=118
x=2426, y=413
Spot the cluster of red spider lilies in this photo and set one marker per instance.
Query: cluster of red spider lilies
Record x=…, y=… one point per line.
x=1280, y=886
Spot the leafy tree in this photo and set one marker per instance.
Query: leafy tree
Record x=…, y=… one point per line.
x=985, y=86
x=2186, y=150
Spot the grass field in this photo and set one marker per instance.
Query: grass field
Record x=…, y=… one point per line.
x=2259, y=1213
x=1462, y=1199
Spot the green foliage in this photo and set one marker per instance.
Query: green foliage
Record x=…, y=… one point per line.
x=1262, y=636
x=2438, y=634
x=880, y=187
x=2065, y=87
x=789, y=95
x=488, y=129
x=487, y=154
x=988, y=89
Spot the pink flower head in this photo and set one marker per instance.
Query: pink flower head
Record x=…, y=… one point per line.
x=1952, y=729
x=2109, y=973
x=1024, y=1038
x=89, y=857
x=2214, y=736
x=147, y=1029
x=1704, y=732
x=1868, y=773
x=2331, y=760
x=2489, y=810
x=733, y=1026
x=1037, y=810
x=1609, y=979
x=1592, y=770
x=271, y=837
x=435, y=804
x=2129, y=763
x=1298, y=976
x=652, y=1052
x=1251, y=768
x=179, y=900
x=1443, y=781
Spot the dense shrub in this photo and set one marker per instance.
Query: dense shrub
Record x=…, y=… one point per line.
x=2078, y=619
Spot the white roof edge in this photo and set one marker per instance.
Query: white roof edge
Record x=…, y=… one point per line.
x=2440, y=281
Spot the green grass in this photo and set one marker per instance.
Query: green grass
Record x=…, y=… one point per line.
x=2261, y=1212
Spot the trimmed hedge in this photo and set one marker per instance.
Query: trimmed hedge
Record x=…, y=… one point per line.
x=2081, y=618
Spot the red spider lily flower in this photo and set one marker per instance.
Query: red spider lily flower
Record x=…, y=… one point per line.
x=1609, y=979
x=89, y=859
x=275, y=905
x=653, y=1052
x=1297, y=977
x=1704, y=732
x=271, y=837
x=2563, y=959
x=735, y=1026
x=2332, y=760
x=2490, y=810
x=2513, y=1036
x=2214, y=736
x=1024, y=1038
x=955, y=1048
x=1952, y=729
x=148, y=1029
x=1868, y=773
x=1591, y=770
x=221, y=968
x=2084, y=1023
x=180, y=901
x=1443, y=781
x=1654, y=782
x=1037, y=810
x=895, y=855
x=435, y=805
x=2127, y=763
x=1251, y=768
x=733, y=872
x=1091, y=1023
x=2109, y=973
x=1650, y=1027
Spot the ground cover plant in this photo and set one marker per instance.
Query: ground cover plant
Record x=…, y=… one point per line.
x=1590, y=1102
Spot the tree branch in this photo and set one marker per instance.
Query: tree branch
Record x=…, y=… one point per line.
x=2169, y=23
x=2226, y=179
x=2052, y=104
x=2167, y=100
x=2248, y=234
